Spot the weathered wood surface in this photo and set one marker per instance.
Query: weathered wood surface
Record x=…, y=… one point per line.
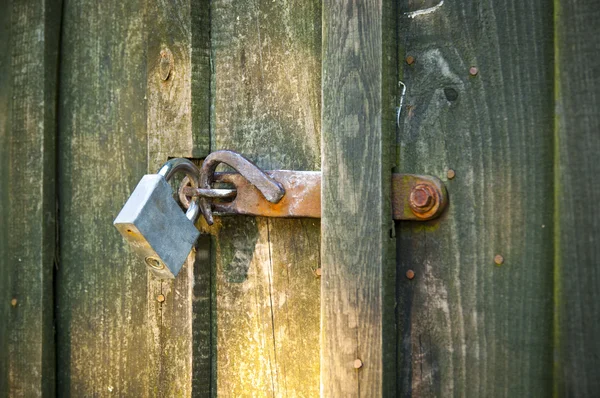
x=125, y=110
x=28, y=60
x=357, y=291
x=178, y=108
x=466, y=326
x=577, y=229
x=101, y=289
x=266, y=100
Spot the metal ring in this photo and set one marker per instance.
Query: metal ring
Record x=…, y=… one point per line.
x=186, y=191
x=173, y=166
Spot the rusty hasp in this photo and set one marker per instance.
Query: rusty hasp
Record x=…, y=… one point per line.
x=414, y=197
x=269, y=188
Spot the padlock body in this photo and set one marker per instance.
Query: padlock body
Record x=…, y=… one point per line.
x=156, y=228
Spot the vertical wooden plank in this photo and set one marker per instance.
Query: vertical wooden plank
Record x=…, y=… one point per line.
x=266, y=102
x=178, y=92
x=577, y=230
x=28, y=59
x=469, y=326
x=359, y=83
x=101, y=290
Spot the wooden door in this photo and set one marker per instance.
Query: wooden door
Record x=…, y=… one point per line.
x=499, y=100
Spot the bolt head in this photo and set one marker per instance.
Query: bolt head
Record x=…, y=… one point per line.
x=421, y=198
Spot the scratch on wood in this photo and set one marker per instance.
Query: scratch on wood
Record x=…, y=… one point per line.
x=425, y=11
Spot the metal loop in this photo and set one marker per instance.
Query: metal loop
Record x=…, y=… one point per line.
x=186, y=191
x=173, y=166
x=268, y=187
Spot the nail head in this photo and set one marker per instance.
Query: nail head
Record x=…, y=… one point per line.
x=160, y=298
x=473, y=71
x=410, y=274
x=498, y=259
x=318, y=272
x=410, y=60
x=358, y=364
x=13, y=302
x=450, y=174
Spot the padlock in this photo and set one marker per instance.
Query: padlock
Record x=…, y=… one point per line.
x=155, y=226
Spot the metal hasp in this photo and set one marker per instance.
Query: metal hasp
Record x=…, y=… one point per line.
x=157, y=229
x=154, y=225
x=269, y=188
x=414, y=197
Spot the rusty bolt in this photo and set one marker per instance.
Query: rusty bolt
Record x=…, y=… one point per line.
x=13, y=302
x=318, y=272
x=422, y=198
x=498, y=259
x=166, y=63
x=410, y=60
x=450, y=174
x=473, y=71
x=358, y=364
x=410, y=274
x=160, y=298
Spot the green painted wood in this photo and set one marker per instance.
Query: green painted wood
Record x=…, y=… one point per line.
x=28, y=83
x=466, y=326
x=577, y=230
x=178, y=108
x=357, y=291
x=266, y=105
x=101, y=289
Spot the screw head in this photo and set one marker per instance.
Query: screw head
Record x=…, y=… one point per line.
x=450, y=174
x=410, y=274
x=498, y=259
x=358, y=364
x=154, y=262
x=422, y=198
x=473, y=71
x=410, y=60
x=160, y=298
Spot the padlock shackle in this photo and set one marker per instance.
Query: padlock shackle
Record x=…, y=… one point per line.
x=176, y=165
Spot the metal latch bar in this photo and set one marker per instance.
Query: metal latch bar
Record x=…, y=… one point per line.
x=414, y=197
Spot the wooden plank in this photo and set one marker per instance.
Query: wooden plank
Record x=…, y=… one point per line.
x=178, y=93
x=359, y=87
x=577, y=229
x=29, y=60
x=466, y=326
x=101, y=288
x=266, y=102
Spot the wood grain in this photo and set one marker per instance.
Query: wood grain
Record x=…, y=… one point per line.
x=359, y=87
x=28, y=83
x=577, y=230
x=466, y=326
x=178, y=108
x=101, y=288
x=266, y=102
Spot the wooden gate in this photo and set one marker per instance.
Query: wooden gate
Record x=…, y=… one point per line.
x=498, y=297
